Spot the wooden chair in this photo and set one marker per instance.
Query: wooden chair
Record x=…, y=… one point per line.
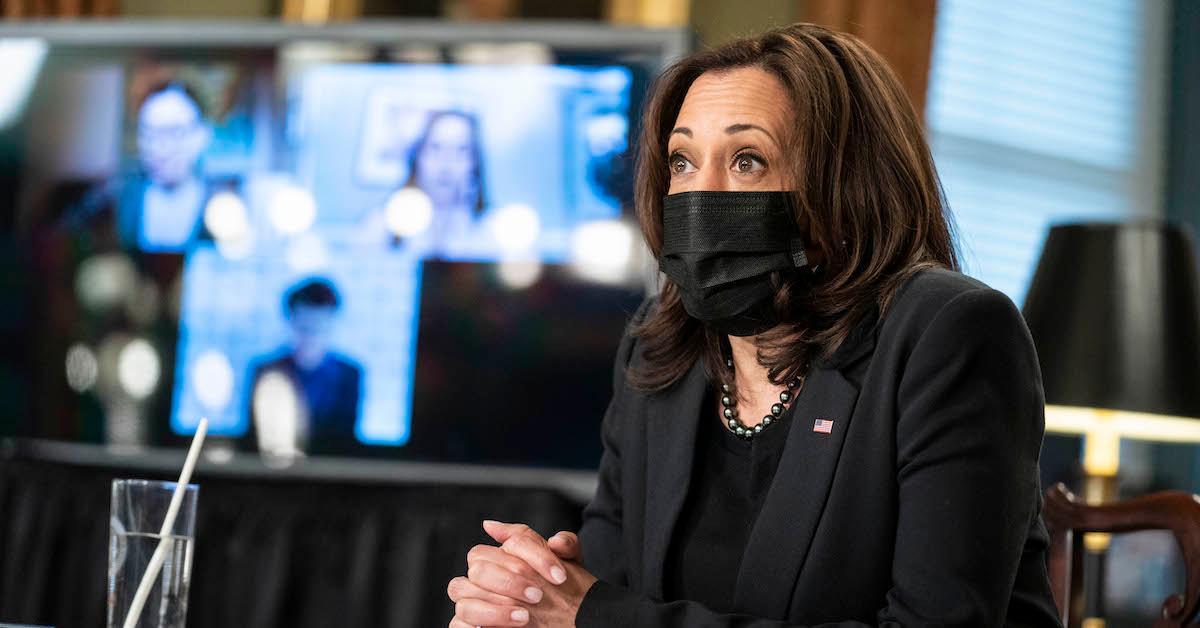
x=1065, y=514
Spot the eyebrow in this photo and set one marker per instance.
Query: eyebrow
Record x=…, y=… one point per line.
x=738, y=128
x=730, y=130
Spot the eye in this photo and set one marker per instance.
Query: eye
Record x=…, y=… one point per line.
x=747, y=163
x=678, y=164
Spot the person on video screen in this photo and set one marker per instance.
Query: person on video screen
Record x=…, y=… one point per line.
x=162, y=204
x=446, y=163
x=305, y=398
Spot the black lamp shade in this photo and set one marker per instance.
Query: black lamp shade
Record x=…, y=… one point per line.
x=1114, y=310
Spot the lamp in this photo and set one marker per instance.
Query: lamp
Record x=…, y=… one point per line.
x=1114, y=310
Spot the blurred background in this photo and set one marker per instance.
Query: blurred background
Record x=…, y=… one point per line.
x=387, y=249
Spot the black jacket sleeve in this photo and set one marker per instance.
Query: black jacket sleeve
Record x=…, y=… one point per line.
x=601, y=533
x=968, y=433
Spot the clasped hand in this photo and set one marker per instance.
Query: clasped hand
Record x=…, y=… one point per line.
x=526, y=581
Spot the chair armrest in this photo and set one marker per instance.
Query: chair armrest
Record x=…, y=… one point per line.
x=1176, y=511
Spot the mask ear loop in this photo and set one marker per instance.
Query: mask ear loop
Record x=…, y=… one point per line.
x=725, y=348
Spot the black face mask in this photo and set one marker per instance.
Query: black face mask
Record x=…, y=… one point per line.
x=720, y=248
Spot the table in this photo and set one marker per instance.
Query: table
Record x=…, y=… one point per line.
x=320, y=543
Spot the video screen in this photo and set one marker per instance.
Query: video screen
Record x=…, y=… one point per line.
x=322, y=255
x=189, y=138
x=473, y=140
x=397, y=167
x=147, y=150
x=290, y=353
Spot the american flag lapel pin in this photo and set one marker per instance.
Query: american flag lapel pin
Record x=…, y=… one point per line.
x=822, y=426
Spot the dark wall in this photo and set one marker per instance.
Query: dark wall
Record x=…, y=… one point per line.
x=1183, y=116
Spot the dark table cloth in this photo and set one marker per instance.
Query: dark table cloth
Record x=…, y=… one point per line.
x=272, y=549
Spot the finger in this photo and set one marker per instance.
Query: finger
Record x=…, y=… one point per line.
x=462, y=588
x=496, y=579
x=499, y=530
x=458, y=623
x=565, y=545
x=493, y=554
x=531, y=548
x=479, y=613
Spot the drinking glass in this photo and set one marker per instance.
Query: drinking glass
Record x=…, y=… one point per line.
x=139, y=508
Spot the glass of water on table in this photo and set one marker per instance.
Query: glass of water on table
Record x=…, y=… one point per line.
x=139, y=508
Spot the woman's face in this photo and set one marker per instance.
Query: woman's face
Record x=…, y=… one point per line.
x=729, y=133
x=446, y=162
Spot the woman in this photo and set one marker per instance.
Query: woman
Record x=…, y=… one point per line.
x=817, y=420
x=446, y=163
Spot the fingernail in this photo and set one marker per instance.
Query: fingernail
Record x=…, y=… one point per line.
x=487, y=521
x=520, y=615
x=558, y=575
x=533, y=594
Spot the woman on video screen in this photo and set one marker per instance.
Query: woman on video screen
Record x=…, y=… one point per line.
x=446, y=163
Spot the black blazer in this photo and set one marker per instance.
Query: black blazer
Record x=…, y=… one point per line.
x=920, y=508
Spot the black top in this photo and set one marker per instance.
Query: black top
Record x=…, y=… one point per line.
x=330, y=393
x=916, y=504
x=729, y=483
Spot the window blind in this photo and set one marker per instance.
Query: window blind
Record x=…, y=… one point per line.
x=1044, y=112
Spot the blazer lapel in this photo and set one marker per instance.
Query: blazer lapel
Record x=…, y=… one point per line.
x=672, y=420
x=784, y=529
x=783, y=532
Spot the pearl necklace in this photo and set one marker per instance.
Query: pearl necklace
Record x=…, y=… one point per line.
x=730, y=412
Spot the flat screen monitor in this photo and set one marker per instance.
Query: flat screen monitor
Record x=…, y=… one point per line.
x=283, y=229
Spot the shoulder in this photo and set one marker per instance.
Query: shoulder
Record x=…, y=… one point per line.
x=947, y=304
x=346, y=364
x=644, y=311
x=275, y=360
x=628, y=347
x=931, y=289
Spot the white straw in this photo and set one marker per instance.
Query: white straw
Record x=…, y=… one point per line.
x=160, y=552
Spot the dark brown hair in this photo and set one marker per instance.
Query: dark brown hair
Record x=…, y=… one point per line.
x=865, y=190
